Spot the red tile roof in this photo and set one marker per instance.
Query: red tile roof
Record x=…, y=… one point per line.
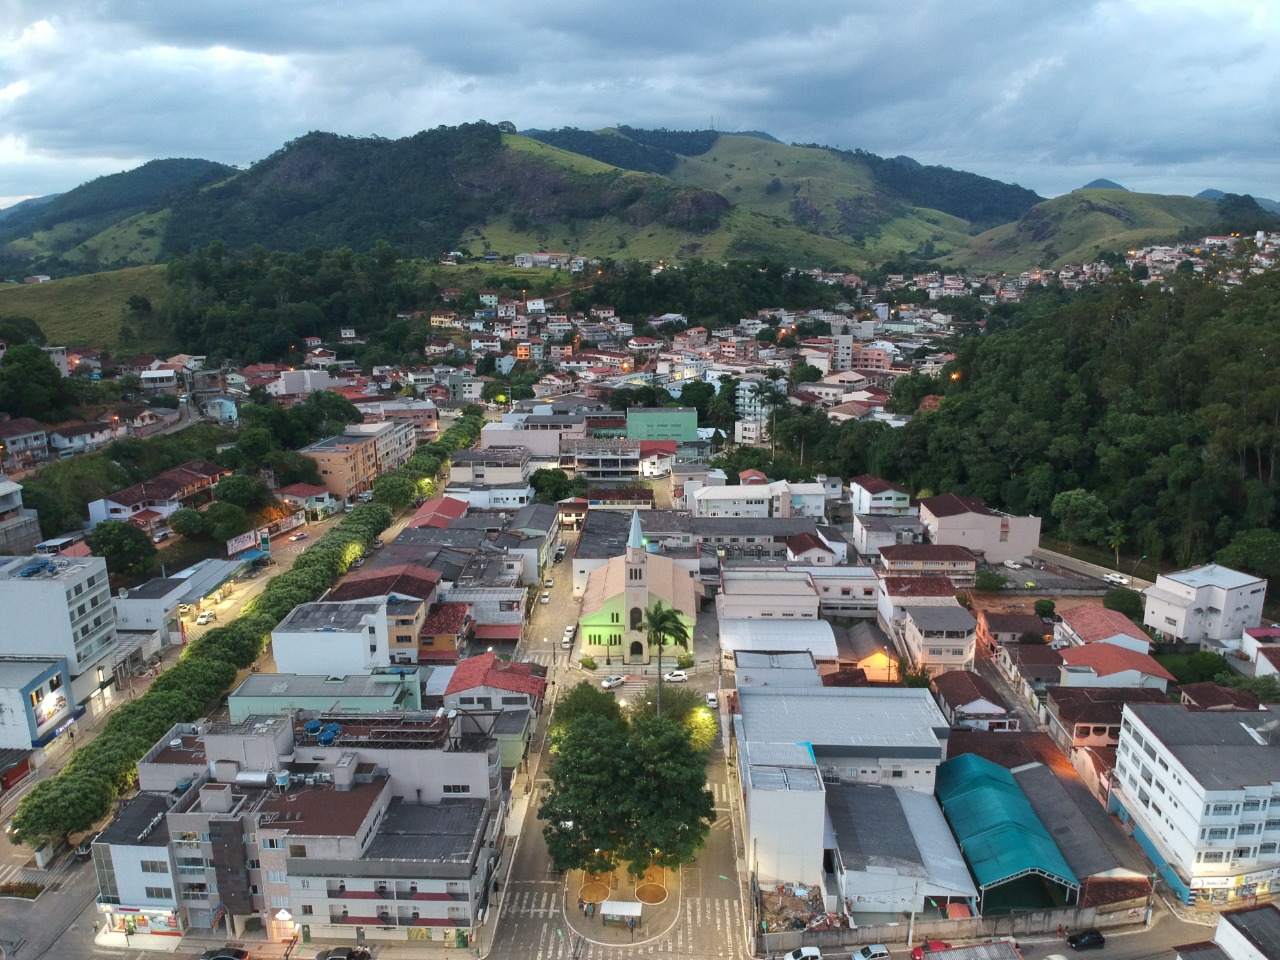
x=960, y=688
x=498, y=631
x=649, y=447
x=1092, y=622
x=303, y=490
x=405, y=579
x=953, y=505
x=1106, y=659
x=438, y=512
x=873, y=484
x=1212, y=696
x=446, y=619
x=804, y=542
x=929, y=585
x=487, y=670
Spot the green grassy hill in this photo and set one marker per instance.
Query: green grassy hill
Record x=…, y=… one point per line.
x=89, y=310
x=1083, y=224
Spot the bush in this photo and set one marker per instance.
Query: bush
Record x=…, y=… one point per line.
x=1123, y=600
x=991, y=582
x=25, y=889
x=587, y=663
x=684, y=661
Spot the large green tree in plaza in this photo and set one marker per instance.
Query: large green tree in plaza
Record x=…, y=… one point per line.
x=634, y=793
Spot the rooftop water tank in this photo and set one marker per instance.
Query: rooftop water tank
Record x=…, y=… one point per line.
x=313, y=727
x=326, y=738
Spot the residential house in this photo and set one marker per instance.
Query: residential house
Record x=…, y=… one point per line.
x=83, y=437
x=997, y=629
x=148, y=503
x=317, y=501
x=23, y=444
x=1209, y=605
x=969, y=700
x=968, y=522
x=1108, y=665
x=1093, y=623
x=1030, y=667
x=873, y=496
x=916, y=560
x=1085, y=724
x=938, y=638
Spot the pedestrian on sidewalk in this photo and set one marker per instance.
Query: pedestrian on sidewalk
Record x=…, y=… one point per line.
x=1059, y=931
x=582, y=907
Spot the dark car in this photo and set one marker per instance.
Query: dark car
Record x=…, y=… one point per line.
x=225, y=953
x=1086, y=940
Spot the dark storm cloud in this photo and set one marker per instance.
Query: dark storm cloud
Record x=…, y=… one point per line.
x=1172, y=97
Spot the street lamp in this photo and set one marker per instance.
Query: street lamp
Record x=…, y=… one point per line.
x=1134, y=570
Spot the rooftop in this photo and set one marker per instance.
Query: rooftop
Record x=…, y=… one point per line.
x=44, y=568
x=326, y=617
x=1212, y=575
x=1092, y=622
x=1223, y=751
x=927, y=551
x=955, y=618
x=843, y=721
x=139, y=822
x=448, y=831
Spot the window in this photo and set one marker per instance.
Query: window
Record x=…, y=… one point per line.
x=456, y=788
x=1272, y=825
x=307, y=910
x=159, y=893
x=1252, y=805
x=1212, y=856
x=1266, y=849
x=513, y=701
x=1247, y=830
x=1222, y=809
x=896, y=774
x=277, y=876
x=298, y=851
x=1219, y=833
x=154, y=866
x=272, y=843
x=1242, y=853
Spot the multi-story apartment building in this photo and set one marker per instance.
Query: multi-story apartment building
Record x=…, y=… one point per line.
x=1204, y=604
x=60, y=607
x=778, y=499
x=394, y=440
x=922, y=559
x=491, y=465
x=339, y=828
x=423, y=414
x=348, y=465
x=938, y=638
x=333, y=638
x=19, y=527
x=1201, y=790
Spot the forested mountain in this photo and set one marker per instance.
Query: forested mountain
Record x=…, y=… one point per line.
x=623, y=192
x=60, y=224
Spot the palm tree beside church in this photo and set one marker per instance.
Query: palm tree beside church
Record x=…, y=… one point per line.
x=663, y=625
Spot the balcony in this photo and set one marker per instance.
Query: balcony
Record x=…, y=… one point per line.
x=388, y=920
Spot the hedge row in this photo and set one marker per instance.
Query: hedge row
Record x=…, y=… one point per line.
x=103, y=770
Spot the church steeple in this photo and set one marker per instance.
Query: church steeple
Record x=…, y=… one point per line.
x=636, y=540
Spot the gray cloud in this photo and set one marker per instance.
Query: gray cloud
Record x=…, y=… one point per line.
x=1172, y=96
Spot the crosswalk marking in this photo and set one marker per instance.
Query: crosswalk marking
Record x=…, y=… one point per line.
x=708, y=926
x=16, y=873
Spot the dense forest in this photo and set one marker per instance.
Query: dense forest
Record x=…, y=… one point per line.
x=328, y=190
x=980, y=200
x=1162, y=406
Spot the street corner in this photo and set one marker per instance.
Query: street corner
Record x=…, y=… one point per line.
x=617, y=908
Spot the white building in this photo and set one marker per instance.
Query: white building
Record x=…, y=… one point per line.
x=794, y=741
x=748, y=594
x=939, y=638
x=1201, y=790
x=968, y=522
x=61, y=607
x=777, y=499
x=874, y=496
x=333, y=639
x=1205, y=605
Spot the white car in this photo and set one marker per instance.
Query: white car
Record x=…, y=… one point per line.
x=713, y=700
x=1116, y=579
x=299, y=536
x=876, y=951
x=804, y=953
x=675, y=676
x=615, y=681
x=207, y=616
x=546, y=597
x=551, y=582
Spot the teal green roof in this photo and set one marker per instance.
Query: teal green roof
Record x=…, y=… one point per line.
x=999, y=832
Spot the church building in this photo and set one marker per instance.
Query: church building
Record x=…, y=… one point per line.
x=619, y=595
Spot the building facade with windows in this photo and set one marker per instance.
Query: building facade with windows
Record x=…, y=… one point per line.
x=1201, y=790
x=355, y=827
x=1204, y=604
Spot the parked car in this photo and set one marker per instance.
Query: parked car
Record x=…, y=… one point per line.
x=225, y=953
x=550, y=584
x=545, y=598
x=358, y=562
x=1013, y=565
x=919, y=951
x=206, y=616
x=713, y=700
x=1086, y=940
x=615, y=681
x=300, y=535
x=160, y=536
x=804, y=953
x=377, y=544
x=675, y=676
x=874, y=951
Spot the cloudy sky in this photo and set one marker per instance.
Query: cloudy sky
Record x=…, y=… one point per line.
x=1168, y=96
